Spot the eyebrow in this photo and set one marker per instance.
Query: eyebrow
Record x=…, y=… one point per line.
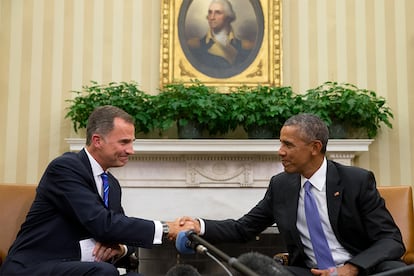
x=217, y=11
x=286, y=142
x=126, y=140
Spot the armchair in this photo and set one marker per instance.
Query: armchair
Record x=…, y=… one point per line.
x=15, y=201
x=399, y=201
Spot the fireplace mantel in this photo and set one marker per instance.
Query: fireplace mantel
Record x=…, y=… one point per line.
x=222, y=177
x=227, y=146
x=212, y=162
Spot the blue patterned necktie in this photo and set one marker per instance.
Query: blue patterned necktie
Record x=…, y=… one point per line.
x=319, y=243
x=105, y=188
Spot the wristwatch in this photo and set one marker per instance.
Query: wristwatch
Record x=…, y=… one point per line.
x=165, y=229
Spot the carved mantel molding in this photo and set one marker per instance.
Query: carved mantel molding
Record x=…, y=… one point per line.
x=212, y=163
x=225, y=146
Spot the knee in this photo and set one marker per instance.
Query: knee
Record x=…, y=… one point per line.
x=389, y=265
x=102, y=268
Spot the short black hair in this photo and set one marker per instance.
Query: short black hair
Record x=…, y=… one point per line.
x=311, y=127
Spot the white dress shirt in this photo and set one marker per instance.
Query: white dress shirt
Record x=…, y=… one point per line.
x=318, y=188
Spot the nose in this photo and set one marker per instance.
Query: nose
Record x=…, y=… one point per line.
x=281, y=151
x=130, y=149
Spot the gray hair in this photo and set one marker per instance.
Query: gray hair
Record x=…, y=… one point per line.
x=311, y=127
x=101, y=120
x=227, y=7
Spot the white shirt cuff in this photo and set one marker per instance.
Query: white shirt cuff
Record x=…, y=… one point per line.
x=125, y=251
x=158, y=232
x=202, y=226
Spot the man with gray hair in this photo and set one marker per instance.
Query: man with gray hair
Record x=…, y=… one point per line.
x=220, y=47
x=331, y=216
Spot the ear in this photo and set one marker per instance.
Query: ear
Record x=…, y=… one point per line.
x=96, y=140
x=316, y=147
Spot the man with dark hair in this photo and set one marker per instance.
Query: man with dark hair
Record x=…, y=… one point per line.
x=331, y=216
x=76, y=224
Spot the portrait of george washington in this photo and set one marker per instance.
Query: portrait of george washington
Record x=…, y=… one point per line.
x=220, y=38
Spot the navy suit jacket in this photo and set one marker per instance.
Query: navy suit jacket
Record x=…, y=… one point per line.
x=357, y=214
x=67, y=208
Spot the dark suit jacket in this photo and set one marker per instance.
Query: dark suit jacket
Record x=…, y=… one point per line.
x=217, y=62
x=67, y=208
x=357, y=213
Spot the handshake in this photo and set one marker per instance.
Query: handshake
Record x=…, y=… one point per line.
x=182, y=224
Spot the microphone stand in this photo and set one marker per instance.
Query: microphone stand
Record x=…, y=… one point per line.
x=233, y=262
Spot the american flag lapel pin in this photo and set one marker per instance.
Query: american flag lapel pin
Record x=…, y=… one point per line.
x=336, y=194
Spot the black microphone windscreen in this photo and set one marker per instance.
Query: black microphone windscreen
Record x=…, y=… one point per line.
x=182, y=270
x=263, y=265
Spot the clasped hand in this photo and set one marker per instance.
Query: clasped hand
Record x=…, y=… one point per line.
x=345, y=270
x=182, y=224
x=105, y=252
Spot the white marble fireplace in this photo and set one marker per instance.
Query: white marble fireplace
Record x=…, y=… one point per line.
x=217, y=178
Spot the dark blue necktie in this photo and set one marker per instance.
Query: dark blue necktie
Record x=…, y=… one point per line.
x=319, y=243
x=105, y=188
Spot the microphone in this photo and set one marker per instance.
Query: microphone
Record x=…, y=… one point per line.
x=185, y=246
x=182, y=270
x=263, y=265
x=189, y=242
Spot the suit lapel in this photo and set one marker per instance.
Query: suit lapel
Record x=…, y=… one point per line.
x=334, y=191
x=114, y=193
x=292, y=194
x=85, y=160
x=111, y=199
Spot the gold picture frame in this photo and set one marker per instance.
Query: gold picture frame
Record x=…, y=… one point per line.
x=183, y=23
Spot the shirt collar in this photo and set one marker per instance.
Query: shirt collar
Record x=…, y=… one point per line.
x=210, y=36
x=96, y=168
x=318, y=179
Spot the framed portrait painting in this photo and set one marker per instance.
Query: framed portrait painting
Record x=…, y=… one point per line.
x=222, y=43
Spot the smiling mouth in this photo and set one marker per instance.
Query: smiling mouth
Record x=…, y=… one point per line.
x=285, y=163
